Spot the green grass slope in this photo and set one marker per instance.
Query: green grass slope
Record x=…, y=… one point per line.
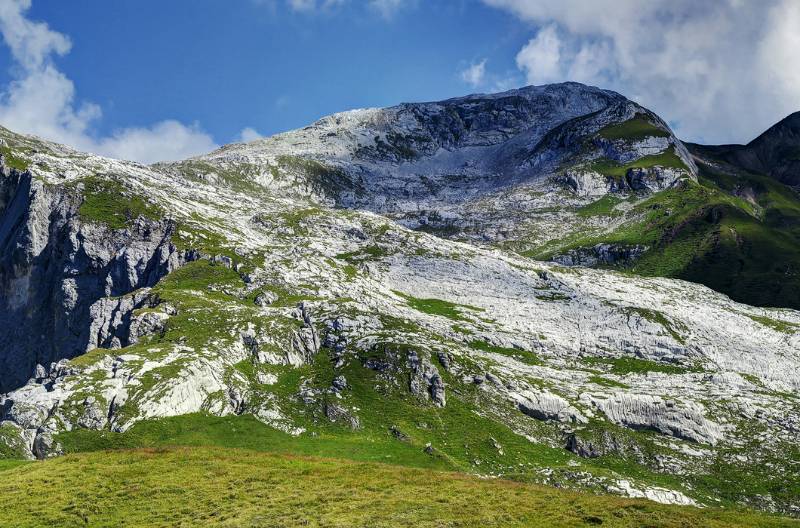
x=233, y=487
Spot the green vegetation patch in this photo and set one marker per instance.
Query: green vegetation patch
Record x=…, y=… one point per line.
x=11, y=444
x=630, y=365
x=12, y=160
x=441, y=307
x=520, y=355
x=246, y=432
x=666, y=159
x=198, y=275
x=785, y=327
x=602, y=207
x=637, y=128
x=107, y=201
x=606, y=382
x=738, y=233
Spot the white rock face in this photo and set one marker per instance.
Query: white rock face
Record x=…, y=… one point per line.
x=662, y=495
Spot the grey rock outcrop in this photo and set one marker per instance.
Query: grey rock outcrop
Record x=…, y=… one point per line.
x=339, y=414
x=112, y=323
x=59, y=275
x=305, y=341
x=649, y=180
x=265, y=298
x=424, y=379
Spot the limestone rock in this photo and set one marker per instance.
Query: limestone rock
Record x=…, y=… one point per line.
x=637, y=411
x=547, y=406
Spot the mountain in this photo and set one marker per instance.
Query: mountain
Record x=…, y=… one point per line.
x=363, y=288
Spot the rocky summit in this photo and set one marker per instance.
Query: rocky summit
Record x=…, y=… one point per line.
x=490, y=284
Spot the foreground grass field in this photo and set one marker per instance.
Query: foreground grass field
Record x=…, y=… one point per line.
x=238, y=487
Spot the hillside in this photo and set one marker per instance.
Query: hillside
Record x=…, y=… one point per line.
x=363, y=288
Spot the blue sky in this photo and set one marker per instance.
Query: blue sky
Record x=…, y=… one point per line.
x=151, y=80
x=232, y=64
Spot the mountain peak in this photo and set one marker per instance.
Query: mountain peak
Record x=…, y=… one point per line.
x=466, y=145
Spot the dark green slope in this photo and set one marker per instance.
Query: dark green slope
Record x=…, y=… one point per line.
x=751, y=255
x=735, y=231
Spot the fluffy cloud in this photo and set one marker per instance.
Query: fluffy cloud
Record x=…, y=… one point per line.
x=41, y=100
x=166, y=140
x=540, y=58
x=474, y=74
x=721, y=70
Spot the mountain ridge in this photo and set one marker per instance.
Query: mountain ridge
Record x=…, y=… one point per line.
x=774, y=152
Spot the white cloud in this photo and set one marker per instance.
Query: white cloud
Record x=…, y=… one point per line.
x=249, y=134
x=166, y=140
x=31, y=43
x=474, y=74
x=540, y=58
x=41, y=100
x=720, y=70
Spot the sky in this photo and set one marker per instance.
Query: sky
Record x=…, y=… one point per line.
x=161, y=80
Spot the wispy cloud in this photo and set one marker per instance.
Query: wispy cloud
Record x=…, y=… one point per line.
x=314, y=5
x=40, y=100
x=388, y=8
x=474, y=74
x=722, y=70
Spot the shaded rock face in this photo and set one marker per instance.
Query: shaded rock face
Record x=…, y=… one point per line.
x=601, y=255
x=599, y=445
x=112, y=323
x=54, y=269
